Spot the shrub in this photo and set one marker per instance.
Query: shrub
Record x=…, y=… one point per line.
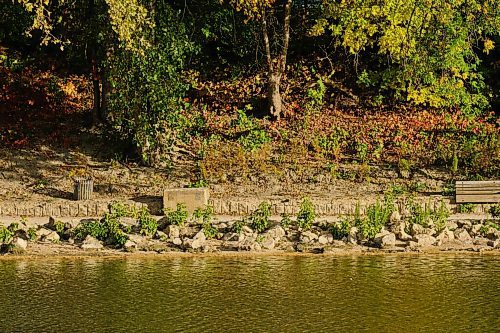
x=5, y=235
x=495, y=210
x=209, y=230
x=147, y=223
x=427, y=217
x=108, y=230
x=466, y=208
x=32, y=234
x=59, y=227
x=341, y=229
x=285, y=220
x=260, y=217
x=178, y=216
x=306, y=215
x=237, y=226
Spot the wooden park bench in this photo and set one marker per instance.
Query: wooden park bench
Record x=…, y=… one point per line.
x=477, y=191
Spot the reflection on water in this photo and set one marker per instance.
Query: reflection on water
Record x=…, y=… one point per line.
x=252, y=294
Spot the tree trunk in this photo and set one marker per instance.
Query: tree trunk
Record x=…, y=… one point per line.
x=277, y=66
x=274, y=95
x=96, y=108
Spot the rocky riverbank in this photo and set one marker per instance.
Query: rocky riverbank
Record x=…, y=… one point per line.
x=232, y=236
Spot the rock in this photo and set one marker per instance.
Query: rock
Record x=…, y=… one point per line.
x=494, y=244
x=418, y=229
x=197, y=242
x=481, y=242
x=493, y=233
x=172, y=231
x=400, y=232
x=325, y=239
x=42, y=232
x=277, y=232
x=451, y=225
x=246, y=230
x=71, y=240
x=177, y=241
x=475, y=229
x=352, y=237
x=462, y=235
x=130, y=246
x=424, y=240
x=233, y=236
x=51, y=237
x=445, y=236
x=128, y=221
x=138, y=239
x=19, y=245
x=395, y=217
x=386, y=240
x=464, y=223
x=90, y=243
x=161, y=235
x=308, y=237
x=268, y=244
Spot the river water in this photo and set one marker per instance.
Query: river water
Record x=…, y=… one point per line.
x=446, y=293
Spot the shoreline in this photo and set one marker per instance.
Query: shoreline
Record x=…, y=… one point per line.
x=48, y=251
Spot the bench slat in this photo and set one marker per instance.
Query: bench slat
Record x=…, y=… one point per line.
x=477, y=191
x=478, y=198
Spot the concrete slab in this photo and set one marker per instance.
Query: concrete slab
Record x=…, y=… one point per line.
x=192, y=197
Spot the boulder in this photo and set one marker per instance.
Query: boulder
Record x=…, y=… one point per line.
x=400, y=232
x=129, y=221
x=424, y=240
x=475, y=229
x=51, y=237
x=197, y=242
x=246, y=230
x=233, y=236
x=395, y=217
x=464, y=223
x=445, y=236
x=494, y=244
x=161, y=235
x=42, y=232
x=130, y=246
x=493, y=233
x=91, y=243
x=177, y=241
x=451, y=225
x=276, y=232
x=308, y=237
x=172, y=231
x=18, y=245
x=352, y=237
x=462, y=235
x=268, y=244
x=386, y=240
x=325, y=239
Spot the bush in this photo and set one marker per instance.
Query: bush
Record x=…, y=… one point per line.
x=260, y=217
x=147, y=223
x=108, y=230
x=427, y=217
x=306, y=215
x=341, y=229
x=177, y=217
x=285, y=221
x=5, y=235
x=466, y=208
x=495, y=210
x=237, y=226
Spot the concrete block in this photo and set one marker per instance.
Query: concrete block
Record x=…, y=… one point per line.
x=192, y=197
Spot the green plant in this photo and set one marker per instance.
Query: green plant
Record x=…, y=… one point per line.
x=147, y=223
x=237, y=226
x=31, y=234
x=209, y=230
x=466, y=208
x=108, y=230
x=198, y=184
x=341, y=229
x=377, y=215
x=286, y=221
x=306, y=215
x=59, y=227
x=425, y=216
x=448, y=189
x=259, y=219
x=204, y=215
x=5, y=235
x=495, y=210
x=178, y=216
x=13, y=227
